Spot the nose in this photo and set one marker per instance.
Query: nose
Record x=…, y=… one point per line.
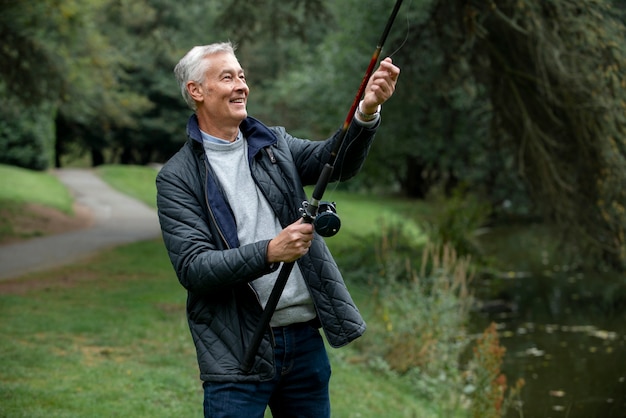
x=242, y=85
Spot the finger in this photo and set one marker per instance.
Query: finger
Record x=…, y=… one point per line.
x=385, y=77
x=306, y=229
x=387, y=66
x=382, y=88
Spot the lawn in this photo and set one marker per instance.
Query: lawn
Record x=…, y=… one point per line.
x=20, y=186
x=108, y=337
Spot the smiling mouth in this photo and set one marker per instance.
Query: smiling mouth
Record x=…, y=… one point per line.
x=238, y=101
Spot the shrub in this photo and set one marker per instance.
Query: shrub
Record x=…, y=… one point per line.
x=26, y=136
x=487, y=386
x=421, y=317
x=460, y=221
x=422, y=307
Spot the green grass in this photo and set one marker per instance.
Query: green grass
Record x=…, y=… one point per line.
x=357, y=391
x=19, y=186
x=100, y=339
x=364, y=215
x=136, y=181
x=108, y=337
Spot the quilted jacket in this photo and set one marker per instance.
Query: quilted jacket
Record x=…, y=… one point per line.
x=200, y=235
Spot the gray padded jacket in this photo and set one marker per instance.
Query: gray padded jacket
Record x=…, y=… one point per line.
x=200, y=235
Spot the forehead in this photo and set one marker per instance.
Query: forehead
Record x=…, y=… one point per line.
x=222, y=62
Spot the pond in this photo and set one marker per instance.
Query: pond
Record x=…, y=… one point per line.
x=565, y=335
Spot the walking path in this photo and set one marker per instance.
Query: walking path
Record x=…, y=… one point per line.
x=118, y=219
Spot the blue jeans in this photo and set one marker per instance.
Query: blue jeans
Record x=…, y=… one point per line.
x=299, y=388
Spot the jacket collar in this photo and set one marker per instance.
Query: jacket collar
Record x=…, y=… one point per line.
x=256, y=133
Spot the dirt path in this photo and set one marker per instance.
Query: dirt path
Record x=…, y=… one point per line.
x=113, y=219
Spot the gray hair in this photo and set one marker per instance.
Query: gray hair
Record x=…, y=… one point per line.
x=193, y=66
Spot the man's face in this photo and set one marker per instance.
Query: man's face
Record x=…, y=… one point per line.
x=224, y=91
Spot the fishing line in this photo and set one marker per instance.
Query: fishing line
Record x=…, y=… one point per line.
x=408, y=30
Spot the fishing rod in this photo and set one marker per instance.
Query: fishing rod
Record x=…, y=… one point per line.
x=326, y=223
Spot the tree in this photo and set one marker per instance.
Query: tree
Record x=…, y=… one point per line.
x=57, y=57
x=146, y=34
x=28, y=69
x=269, y=52
x=519, y=101
x=30, y=77
x=434, y=127
x=96, y=102
x=556, y=73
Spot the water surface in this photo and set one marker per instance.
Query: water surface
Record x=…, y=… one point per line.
x=565, y=335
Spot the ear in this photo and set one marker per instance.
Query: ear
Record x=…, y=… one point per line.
x=195, y=90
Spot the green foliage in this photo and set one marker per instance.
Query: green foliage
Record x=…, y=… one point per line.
x=438, y=119
x=524, y=103
x=325, y=82
x=557, y=78
x=418, y=310
x=26, y=138
x=149, y=37
x=98, y=104
x=29, y=70
x=420, y=332
x=415, y=320
x=424, y=316
x=460, y=220
x=255, y=18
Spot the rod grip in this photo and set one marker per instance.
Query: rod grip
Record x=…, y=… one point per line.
x=322, y=182
x=266, y=316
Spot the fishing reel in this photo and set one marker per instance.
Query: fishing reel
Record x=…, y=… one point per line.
x=326, y=221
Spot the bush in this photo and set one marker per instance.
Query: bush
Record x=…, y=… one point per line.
x=460, y=221
x=425, y=315
x=421, y=307
x=26, y=135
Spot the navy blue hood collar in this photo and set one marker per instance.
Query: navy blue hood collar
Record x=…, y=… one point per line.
x=256, y=133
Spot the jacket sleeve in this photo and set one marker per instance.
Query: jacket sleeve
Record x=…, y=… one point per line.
x=311, y=156
x=199, y=256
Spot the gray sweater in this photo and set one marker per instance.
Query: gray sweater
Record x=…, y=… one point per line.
x=256, y=221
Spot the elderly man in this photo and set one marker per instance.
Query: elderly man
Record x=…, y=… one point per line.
x=228, y=205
